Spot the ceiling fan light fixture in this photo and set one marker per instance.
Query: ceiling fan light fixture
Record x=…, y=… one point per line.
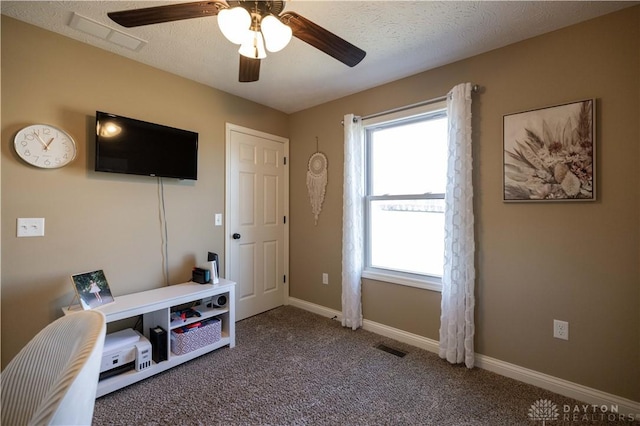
x=253, y=45
x=276, y=34
x=234, y=24
x=248, y=23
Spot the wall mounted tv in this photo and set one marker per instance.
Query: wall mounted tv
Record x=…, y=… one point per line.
x=127, y=145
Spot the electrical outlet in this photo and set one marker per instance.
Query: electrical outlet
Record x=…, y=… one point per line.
x=561, y=329
x=325, y=278
x=30, y=227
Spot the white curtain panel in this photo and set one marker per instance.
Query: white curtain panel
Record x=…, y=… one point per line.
x=352, y=223
x=456, y=322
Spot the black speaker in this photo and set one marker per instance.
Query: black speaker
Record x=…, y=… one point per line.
x=199, y=275
x=158, y=338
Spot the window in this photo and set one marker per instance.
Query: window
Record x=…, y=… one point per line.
x=406, y=174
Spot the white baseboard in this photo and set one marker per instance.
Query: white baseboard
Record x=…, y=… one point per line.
x=316, y=309
x=559, y=386
x=522, y=374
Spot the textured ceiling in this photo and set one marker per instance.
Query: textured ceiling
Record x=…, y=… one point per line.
x=401, y=38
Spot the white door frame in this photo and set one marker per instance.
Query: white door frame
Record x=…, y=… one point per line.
x=229, y=127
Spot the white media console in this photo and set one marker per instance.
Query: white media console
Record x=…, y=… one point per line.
x=156, y=306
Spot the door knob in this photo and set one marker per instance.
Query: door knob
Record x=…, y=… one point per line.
x=236, y=236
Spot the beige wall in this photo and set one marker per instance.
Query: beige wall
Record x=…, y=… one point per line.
x=535, y=262
x=99, y=220
x=577, y=262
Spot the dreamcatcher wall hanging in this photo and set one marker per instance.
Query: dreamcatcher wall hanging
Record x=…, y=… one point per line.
x=317, y=181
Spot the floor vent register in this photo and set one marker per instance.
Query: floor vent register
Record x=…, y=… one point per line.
x=391, y=350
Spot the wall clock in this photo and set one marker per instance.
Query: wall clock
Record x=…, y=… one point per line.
x=45, y=146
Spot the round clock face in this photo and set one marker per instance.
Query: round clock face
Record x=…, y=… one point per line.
x=45, y=146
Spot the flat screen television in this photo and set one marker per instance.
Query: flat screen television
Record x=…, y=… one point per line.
x=127, y=145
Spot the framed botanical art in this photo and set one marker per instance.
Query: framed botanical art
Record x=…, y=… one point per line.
x=549, y=153
x=92, y=289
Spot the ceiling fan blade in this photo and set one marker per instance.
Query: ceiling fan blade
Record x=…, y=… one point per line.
x=322, y=39
x=249, y=69
x=168, y=13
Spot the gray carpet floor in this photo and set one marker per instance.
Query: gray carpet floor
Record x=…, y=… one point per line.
x=292, y=367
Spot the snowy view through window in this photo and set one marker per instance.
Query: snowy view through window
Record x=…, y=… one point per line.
x=406, y=200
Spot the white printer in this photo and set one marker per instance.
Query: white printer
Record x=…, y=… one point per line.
x=125, y=347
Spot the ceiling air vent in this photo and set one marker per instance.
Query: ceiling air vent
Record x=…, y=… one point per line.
x=89, y=26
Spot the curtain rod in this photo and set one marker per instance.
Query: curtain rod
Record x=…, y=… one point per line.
x=474, y=89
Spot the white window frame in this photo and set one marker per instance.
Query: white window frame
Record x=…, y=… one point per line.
x=427, y=282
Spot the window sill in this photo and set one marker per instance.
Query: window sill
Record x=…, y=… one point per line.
x=433, y=284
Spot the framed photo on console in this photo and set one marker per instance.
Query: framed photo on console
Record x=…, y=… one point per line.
x=92, y=289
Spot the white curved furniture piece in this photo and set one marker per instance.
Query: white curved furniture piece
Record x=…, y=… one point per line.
x=53, y=379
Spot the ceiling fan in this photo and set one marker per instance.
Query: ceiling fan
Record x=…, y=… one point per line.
x=251, y=24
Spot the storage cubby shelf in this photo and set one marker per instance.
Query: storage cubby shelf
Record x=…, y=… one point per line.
x=155, y=306
x=205, y=313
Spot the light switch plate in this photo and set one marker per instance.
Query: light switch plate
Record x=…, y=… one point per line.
x=30, y=227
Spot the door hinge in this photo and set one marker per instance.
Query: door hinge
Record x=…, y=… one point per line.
x=285, y=220
x=284, y=278
x=285, y=161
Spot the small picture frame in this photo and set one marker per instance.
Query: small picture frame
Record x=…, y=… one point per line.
x=92, y=289
x=550, y=153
